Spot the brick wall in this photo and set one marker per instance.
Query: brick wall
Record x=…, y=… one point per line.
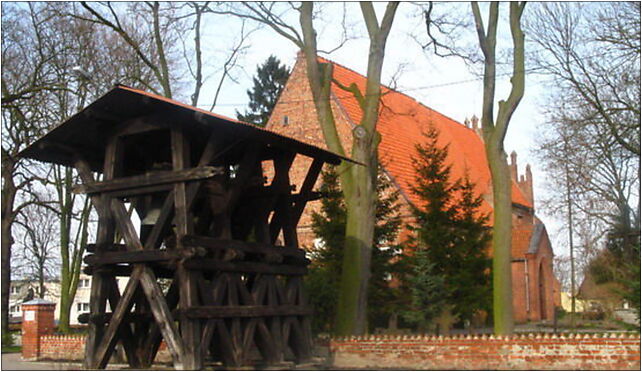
x=37, y=320
x=73, y=348
x=538, y=352
x=62, y=347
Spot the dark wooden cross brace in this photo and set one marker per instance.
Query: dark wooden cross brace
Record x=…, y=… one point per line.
x=226, y=305
x=100, y=344
x=112, y=213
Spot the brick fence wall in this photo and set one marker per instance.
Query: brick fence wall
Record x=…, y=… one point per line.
x=539, y=352
x=73, y=348
x=62, y=347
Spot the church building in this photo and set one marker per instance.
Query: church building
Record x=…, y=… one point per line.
x=402, y=123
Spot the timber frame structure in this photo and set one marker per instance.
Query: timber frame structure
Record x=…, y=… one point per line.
x=206, y=272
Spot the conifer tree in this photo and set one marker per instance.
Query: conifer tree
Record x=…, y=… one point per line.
x=450, y=265
x=269, y=80
x=325, y=271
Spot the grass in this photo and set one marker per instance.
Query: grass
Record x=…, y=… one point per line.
x=8, y=345
x=626, y=326
x=11, y=349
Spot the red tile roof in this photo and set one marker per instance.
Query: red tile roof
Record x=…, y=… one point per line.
x=402, y=123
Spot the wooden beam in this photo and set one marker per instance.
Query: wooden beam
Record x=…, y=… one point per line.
x=149, y=179
x=205, y=264
x=245, y=311
x=105, y=235
x=152, y=341
x=281, y=182
x=247, y=167
x=140, y=191
x=150, y=286
x=163, y=317
x=106, y=346
x=108, y=247
x=306, y=187
x=130, y=257
x=299, y=202
x=125, y=225
x=142, y=124
x=190, y=329
x=86, y=318
x=124, y=333
x=167, y=211
x=246, y=247
x=126, y=270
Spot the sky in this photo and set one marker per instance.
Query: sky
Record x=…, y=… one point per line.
x=446, y=85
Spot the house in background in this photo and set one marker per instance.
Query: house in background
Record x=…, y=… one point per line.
x=24, y=290
x=402, y=123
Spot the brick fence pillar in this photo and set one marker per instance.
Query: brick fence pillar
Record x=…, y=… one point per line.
x=37, y=320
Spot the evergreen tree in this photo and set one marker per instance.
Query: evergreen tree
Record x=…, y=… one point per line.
x=427, y=291
x=269, y=80
x=450, y=242
x=323, y=279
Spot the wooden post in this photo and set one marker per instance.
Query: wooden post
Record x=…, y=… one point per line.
x=230, y=297
x=190, y=328
x=105, y=235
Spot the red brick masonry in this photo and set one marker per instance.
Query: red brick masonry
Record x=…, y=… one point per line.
x=538, y=352
x=73, y=348
x=38, y=320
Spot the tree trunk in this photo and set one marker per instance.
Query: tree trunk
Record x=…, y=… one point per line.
x=502, y=224
x=64, y=182
x=355, y=272
x=41, y=283
x=357, y=182
x=8, y=198
x=494, y=134
x=7, y=242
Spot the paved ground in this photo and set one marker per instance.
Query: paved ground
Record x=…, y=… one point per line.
x=13, y=362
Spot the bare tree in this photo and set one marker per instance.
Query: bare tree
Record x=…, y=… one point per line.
x=591, y=138
x=562, y=271
x=25, y=79
x=494, y=132
x=38, y=246
x=157, y=34
x=145, y=31
x=593, y=52
x=77, y=61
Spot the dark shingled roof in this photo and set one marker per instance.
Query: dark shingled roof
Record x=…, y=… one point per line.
x=86, y=131
x=537, y=236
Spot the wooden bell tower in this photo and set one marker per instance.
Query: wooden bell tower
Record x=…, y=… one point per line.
x=214, y=268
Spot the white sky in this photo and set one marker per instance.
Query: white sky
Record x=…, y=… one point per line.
x=422, y=77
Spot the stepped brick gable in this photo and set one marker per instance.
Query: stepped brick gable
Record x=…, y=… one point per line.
x=402, y=123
